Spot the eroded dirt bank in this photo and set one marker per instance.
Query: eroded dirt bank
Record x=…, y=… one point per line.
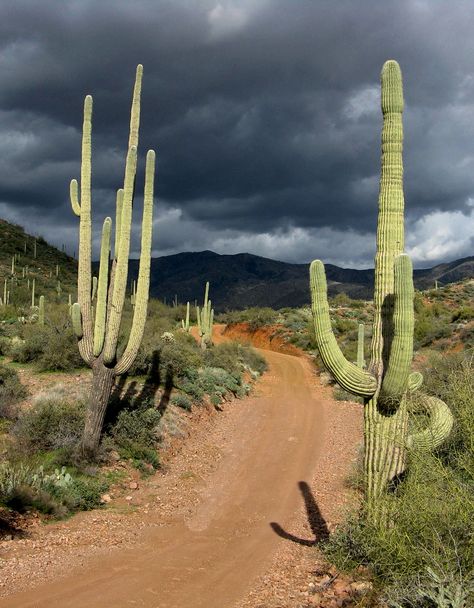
x=210, y=531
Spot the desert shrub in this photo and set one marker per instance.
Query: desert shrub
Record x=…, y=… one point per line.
x=53, y=422
x=427, y=552
x=464, y=313
x=234, y=358
x=182, y=401
x=11, y=391
x=53, y=346
x=58, y=493
x=135, y=434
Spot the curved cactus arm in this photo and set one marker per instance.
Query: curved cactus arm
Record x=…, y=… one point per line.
x=76, y=318
x=439, y=427
x=415, y=380
x=74, y=195
x=101, y=311
x=349, y=376
x=395, y=380
x=143, y=283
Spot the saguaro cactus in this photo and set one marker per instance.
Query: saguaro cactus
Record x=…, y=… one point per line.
x=98, y=338
x=185, y=322
x=388, y=379
x=205, y=320
x=41, y=310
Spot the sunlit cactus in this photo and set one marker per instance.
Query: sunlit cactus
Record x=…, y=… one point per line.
x=98, y=338
x=185, y=322
x=205, y=320
x=41, y=310
x=387, y=381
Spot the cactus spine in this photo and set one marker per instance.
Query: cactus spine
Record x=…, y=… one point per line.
x=386, y=382
x=205, y=320
x=98, y=340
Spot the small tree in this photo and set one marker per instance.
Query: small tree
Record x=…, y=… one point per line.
x=98, y=333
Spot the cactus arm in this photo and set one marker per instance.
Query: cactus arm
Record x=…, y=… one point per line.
x=439, y=427
x=121, y=269
x=415, y=380
x=118, y=220
x=401, y=352
x=198, y=320
x=143, y=283
x=94, y=288
x=101, y=309
x=76, y=319
x=349, y=376
x=74, y=195
x=85, y=237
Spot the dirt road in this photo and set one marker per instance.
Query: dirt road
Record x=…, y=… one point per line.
x=211, y=556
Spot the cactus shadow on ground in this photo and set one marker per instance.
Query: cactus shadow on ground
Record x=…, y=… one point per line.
x=131, y=396
x=316, y=521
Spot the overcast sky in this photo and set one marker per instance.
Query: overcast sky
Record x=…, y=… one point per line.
x=265, y=116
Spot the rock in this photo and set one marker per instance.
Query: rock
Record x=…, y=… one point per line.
x=133, y=485
x=105, y=498
x=361, y=587
x=128, y=497
x=114, y=455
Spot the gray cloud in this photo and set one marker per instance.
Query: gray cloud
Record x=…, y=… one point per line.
x=264, y=114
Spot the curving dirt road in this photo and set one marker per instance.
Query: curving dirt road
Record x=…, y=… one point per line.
x=211, y=556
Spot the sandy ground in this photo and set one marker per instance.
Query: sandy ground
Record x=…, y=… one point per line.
x=232, y=521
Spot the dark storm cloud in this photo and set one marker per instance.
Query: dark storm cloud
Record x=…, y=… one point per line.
x=264, y=114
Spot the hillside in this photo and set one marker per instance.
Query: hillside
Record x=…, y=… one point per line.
x=245, y=280
x=49, y=267
x=237, y=281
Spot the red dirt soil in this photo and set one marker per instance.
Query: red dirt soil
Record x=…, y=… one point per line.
x=207, y=539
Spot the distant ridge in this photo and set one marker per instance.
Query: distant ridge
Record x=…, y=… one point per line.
x=244, y=280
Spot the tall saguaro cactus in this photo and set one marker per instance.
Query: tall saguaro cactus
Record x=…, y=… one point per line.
x=205, y=320
x=98, y=336
x=386, y=382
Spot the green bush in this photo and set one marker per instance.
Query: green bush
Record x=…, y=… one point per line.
x=53, y=422
x=135, y=434
x=182, y=401
x=11, y=391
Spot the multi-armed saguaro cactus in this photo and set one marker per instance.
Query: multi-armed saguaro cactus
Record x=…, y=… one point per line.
x=388, y=379
x=98, y=334
x=205, y=320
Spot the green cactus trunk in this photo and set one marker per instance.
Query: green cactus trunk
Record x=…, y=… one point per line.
x=386, y=382
x=205, y=319
x=98, y=334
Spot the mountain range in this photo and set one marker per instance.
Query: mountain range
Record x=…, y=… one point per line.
x=244, y=280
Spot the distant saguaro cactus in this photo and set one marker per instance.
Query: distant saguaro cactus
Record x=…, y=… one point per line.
x=388, y=379
x=205, y=320
x=98, y=338
x=41, y=310
x=185, y=322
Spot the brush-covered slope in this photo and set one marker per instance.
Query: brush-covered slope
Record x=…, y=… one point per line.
x=54, y=272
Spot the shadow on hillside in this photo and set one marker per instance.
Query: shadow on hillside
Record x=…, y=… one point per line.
x=316, y=521
x=134, y=395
